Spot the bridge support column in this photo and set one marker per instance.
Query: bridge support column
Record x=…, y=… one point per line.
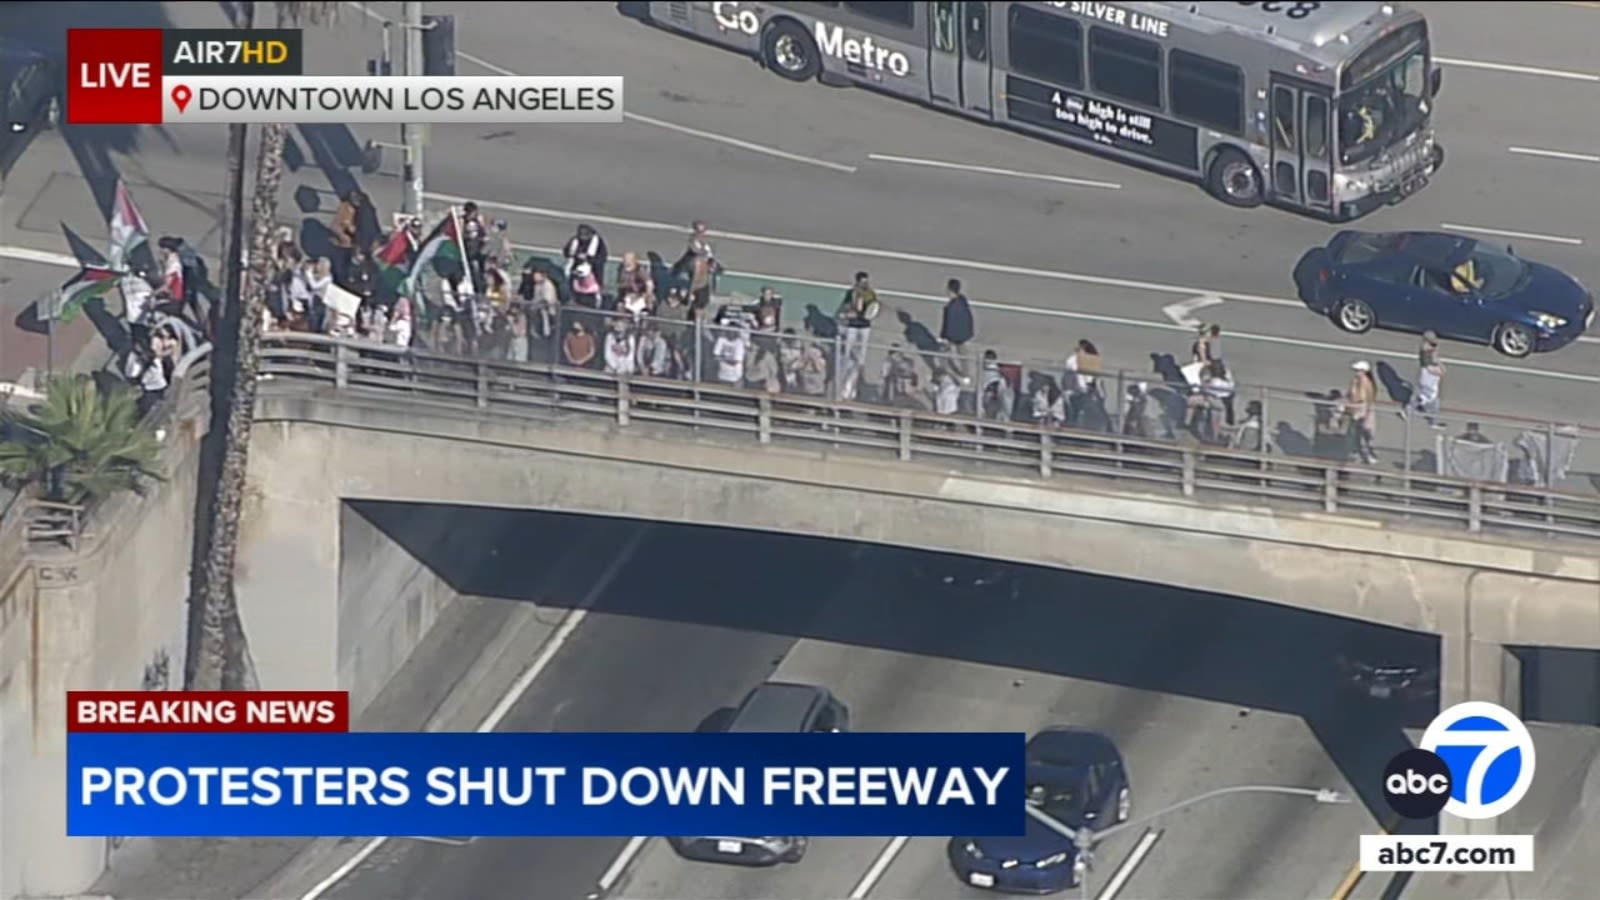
x=1471, y=669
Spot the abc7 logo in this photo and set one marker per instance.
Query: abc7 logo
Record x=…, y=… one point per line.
x=1476, y=762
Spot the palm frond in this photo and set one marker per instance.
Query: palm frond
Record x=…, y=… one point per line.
x=89, y=442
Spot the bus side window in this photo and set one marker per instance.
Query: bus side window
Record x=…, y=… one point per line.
x=1206, y=91
x=1125, y=67
x=977, y=29
x=944, y=26
x=1283, y=118
x=1316, y=127
x=895, y=13
x=1045, y=47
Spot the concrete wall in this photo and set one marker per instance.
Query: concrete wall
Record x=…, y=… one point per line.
x=313, y=447
x=389, y=599
x=110, y=616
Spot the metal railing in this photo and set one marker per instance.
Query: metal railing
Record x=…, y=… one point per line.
x=1473, y=444
x=764, y=416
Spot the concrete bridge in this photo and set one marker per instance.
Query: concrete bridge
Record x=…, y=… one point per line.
x=1483, y=568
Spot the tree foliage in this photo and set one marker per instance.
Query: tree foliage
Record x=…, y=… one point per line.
x=81, y=443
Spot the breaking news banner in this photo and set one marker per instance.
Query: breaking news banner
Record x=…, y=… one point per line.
x=246, y=770
x=132, y=76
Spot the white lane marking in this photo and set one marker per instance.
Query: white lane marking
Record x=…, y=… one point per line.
x=740, y=143
x=547, y=653
x=44, y=257
x=447, y=841
x=856, y=251
x=684, y=129
x=1516, y=69
x=1147, y=842
x=1521, y=235
x=879, y=867
x=620, y=864
x=1167, y=326
x=1555, y=154
x=1182, y=312
x=990, y=170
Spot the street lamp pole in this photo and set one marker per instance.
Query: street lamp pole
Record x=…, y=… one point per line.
x=1087, y=838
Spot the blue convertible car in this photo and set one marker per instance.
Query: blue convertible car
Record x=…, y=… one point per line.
x=1457, y=287
x=1074, y=775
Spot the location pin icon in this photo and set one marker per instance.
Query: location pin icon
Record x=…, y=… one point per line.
x=180, y=96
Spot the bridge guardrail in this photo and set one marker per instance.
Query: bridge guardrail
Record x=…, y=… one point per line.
x=913, y=435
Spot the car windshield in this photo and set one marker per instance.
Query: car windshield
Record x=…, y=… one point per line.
x=1384, y=109
x=1060, y=801
x=1498, y=271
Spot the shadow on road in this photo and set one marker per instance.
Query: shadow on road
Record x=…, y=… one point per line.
x=1251, y=655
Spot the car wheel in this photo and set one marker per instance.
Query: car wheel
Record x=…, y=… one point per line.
x=795, y=853
x=1234, y=179
x=789, y=51
x=1513, y=340
x=1124, y=805
x=1354, y=316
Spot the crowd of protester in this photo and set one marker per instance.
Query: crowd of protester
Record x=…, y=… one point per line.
x=168, y=304
x=646, y=316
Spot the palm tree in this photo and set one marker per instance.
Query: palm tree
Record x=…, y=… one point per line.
x=219, y=657
x=80, y=443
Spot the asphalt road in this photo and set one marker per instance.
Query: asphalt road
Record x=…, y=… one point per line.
x=1198, y=692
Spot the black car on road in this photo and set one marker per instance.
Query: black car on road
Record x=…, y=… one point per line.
x=1075, y=776
x=1458, y=287
x=29, y=89
x=779, y=707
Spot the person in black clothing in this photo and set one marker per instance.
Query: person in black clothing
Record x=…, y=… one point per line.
x=957, y=327
x=587, y=246
x=475, y=240
x=362, y=277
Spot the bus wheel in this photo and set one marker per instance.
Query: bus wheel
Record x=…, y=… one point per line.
x=1234, y=180
x=789, y=51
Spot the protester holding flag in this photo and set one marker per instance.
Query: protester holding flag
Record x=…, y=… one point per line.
x=138, y=299
x=392, y=264
x=443, y=251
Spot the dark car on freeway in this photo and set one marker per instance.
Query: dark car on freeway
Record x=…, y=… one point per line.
x=1397, y=668
x=1077, y=777
x=29, y=88
x=1460, y=288
x=774, y=707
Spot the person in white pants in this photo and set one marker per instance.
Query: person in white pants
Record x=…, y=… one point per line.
x=1430, y=373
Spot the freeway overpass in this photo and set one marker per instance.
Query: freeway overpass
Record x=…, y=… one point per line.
x=348, y=421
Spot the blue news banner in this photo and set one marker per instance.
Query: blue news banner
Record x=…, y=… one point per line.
x=535, y=785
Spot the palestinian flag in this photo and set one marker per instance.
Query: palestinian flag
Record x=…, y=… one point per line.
x=392, y=259
x=92, y=282
x=128, y=230
x=444, y=241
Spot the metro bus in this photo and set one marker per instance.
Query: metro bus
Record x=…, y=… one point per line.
x=1324, y=108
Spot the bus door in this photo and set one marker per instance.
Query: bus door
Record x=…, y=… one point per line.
x=1300, y=158
x=958, y=56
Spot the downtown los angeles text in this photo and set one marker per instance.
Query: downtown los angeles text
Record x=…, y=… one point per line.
x=1447, y=853
x=154, y=77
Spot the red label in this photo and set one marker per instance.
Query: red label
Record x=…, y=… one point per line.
x=208, y=711
x=114, y=76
